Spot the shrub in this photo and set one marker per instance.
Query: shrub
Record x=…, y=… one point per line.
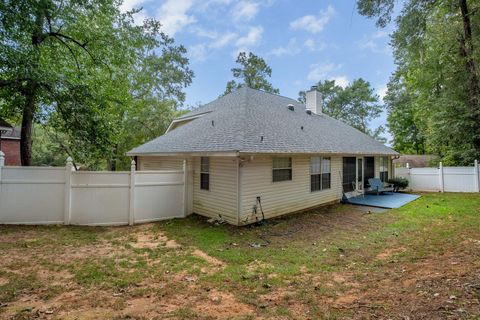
x=398, y=183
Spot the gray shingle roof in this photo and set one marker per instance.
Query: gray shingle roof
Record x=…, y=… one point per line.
x=13, y=134
x=238, y=121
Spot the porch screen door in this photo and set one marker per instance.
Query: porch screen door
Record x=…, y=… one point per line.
x=349, y=173
x=369, y=171
x=360, y=174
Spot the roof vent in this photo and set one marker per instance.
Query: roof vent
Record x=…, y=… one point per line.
x=291, y=107
x=309, y=112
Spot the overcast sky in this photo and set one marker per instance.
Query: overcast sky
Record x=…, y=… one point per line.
x=303, y=41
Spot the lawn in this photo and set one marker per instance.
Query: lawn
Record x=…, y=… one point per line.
x=336, y=262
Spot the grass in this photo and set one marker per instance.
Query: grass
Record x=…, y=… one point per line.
x=328, y=263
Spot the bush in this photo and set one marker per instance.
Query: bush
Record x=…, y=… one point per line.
x=398, y=183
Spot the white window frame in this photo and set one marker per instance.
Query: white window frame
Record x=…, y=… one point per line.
x=204, y=172
x=383, y=167
x=321, y=172
x=282, y=168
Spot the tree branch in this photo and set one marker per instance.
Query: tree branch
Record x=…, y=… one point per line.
x=71, y=51
x=7, y=83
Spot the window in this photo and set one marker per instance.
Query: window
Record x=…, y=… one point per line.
x=282, y=169
x=320, y=173
x=384, y=169
x=205, y=173
x=326, y=174
x=315, y=173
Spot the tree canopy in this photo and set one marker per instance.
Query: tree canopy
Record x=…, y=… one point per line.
x=88, y=73
x=433, y=97
x=252, y=72
x=356, y=104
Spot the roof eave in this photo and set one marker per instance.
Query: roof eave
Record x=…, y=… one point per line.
x=364, y=153
x=6, y=129
x=184, y=154
x=231, y=153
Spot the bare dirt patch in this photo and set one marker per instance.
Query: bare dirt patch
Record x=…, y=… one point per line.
x=3, y=281
x=149, y=241
x=222, y=305
x=389, y=252
x=172, y=244
x=307, y=226
x=213, y=261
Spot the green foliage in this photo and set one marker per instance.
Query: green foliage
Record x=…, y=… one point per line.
x=89, y=74
x=382, y=9
x=48, y=149
x=253, y=73
x=357, y=104
x=398, y=183
x=404, y=121
x=434, y=96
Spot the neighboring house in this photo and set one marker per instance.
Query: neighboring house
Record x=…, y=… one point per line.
x=250, y=151
x=414, y=160
x=10, y=143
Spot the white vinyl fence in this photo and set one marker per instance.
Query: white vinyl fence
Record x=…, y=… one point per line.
x=442, y=179
x=38, y=195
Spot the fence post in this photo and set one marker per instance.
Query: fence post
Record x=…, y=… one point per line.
x=476, y=175
x=2, y=163
x=440, y=177
x=68, y=191
x=131, y=212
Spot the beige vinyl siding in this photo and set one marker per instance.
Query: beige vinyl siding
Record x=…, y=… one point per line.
x=286, y=196
x=160, y=163
x=221, y=199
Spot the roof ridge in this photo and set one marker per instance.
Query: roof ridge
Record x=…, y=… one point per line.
x=241, y=136
x=275, y=94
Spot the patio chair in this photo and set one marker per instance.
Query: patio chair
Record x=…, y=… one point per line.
x=378, y=187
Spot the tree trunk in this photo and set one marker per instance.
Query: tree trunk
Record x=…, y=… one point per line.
x=112, y=162
x=467, y=51
x=30, y=94
x=27, y=125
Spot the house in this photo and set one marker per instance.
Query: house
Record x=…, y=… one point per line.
x=414, y=160
x=251, y=155
x=10, y=143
